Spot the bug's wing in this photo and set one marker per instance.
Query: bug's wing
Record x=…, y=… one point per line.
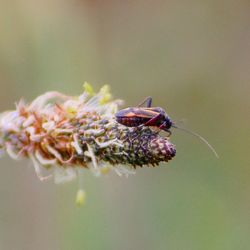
x=146, y=113
x=128, y=112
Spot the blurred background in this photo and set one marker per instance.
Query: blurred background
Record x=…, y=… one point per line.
x=193, y=58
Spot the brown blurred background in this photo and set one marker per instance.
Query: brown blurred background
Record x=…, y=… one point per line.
x=193, y=58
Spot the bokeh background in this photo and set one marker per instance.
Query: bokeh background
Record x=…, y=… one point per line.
x=193, y=58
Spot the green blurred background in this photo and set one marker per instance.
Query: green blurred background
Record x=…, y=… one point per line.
x=193, y=58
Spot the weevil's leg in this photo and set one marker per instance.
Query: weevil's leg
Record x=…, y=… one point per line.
x=152, y=121
x=148, y=102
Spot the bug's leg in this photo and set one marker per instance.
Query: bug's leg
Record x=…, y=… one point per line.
x=156, y=130
x=169, y=133
x=148, y=102
x=140, y=127
x=152, y=121
x=163, y=127
x=139, y=130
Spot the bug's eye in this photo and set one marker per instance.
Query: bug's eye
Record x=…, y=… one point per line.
x=169, y=122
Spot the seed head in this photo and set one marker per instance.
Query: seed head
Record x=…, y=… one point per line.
x=62, y=134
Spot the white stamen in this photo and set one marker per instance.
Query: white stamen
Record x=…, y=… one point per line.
x=76, y=145
x=42, y=160
x=38, y=169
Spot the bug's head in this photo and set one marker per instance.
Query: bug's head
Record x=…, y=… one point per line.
x=167, y=123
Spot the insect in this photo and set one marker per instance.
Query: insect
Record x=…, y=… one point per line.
x=145, y=116
x=152, y=116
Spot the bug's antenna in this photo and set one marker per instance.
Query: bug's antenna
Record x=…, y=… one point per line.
x=199, y=136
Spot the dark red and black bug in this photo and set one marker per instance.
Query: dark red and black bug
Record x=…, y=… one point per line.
x=146, y=116
x=152, y=116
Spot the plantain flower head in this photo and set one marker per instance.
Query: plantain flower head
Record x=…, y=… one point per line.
x=62, y=134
